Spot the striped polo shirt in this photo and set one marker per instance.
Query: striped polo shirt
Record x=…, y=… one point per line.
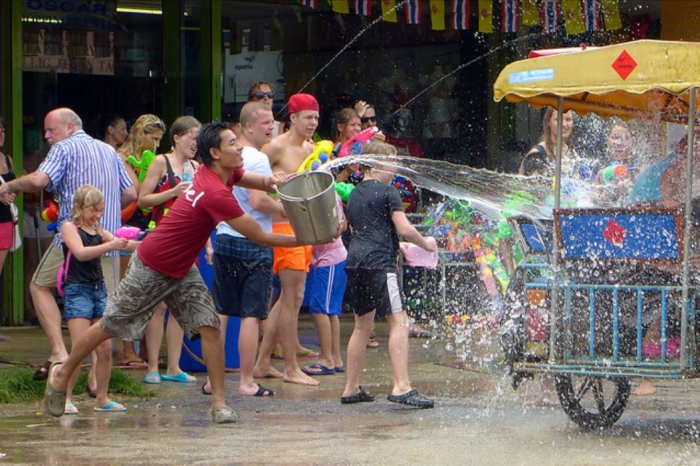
x=81, y=160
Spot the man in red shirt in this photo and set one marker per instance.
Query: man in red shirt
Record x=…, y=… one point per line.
x=162, y=269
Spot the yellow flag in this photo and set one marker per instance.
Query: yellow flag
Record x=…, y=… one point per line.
x=341, y=6
x=389, y=11
x=486, y=16
x=611, y=14
x=437, y=14
x=573, y=17
x=530, y=13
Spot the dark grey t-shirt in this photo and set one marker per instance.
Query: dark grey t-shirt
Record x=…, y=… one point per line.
x=374, y=241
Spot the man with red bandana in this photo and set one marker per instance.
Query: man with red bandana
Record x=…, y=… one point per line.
x=286, y=153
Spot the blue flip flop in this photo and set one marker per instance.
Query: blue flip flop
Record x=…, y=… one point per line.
x=111, y=407
x=320, y=369
x=182, y=377
x=153, y=378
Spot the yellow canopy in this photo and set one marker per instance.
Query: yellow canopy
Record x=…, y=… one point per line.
x=629, y=80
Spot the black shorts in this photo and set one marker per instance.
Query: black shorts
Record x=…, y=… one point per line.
x=242, y=277
x=369, y=289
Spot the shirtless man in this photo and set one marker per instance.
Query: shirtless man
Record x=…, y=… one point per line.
x=286, y=153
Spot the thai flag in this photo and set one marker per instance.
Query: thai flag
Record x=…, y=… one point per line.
x=309, y=3
x=460, y=14
x=413, y=11
x=549, y=13
x=591, y=15
x=363, y=7
x=510, y=14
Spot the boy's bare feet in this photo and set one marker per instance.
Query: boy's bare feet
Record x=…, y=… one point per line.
x=300, y=378
x=267, y=373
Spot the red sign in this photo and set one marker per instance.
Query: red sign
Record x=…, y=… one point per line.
x=624, y=65
x=615, y=233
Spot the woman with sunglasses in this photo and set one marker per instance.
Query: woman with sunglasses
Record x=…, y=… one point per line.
x=265, y=93
x=368, y=118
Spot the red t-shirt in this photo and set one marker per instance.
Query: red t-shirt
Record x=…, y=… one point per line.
x=173, y=247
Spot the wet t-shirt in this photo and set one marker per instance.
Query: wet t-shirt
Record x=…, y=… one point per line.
x=173, y=247
x=374, y=242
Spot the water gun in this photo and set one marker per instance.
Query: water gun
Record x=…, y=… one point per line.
x=128, y=233
x=141, y=166
x=499, y=272
x=353, y=146
x=320, y=155
x=614, y=173
x=485, y=272
x=343, y=189
x=50, y=215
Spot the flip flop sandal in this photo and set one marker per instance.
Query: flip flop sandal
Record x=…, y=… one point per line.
x=224, y=415
x=359, y=397
x=43, y=371
x=70, y=409
x=111, y=407
x=262, y=391
x=317, y=369
x=412, y=398
x=153, y=378
x=204, y=391
x=182, y=377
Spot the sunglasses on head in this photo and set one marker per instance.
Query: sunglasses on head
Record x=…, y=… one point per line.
x=369, y=118
x=261, y=95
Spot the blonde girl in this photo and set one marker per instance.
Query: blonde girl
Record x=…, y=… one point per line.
x=85, y=294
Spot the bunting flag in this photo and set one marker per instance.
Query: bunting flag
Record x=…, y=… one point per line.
x=486, y=16
x=550, y=15
x=531, y=15
x=413, y=11
x=573, y=16
x=341, y=6
x=437, y=14
x=309, y=3
x=591, y=15
x=611, y=14
x=363, y=7
x=389, y=11
x=460, y=14
x=509, y=15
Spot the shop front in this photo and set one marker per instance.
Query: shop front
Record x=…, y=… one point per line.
x=427, y=66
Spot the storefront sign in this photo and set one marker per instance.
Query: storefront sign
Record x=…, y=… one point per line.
x=245, y=69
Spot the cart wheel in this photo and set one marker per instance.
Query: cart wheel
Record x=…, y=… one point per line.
x=593, y=402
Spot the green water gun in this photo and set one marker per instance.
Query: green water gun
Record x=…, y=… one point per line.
x=146, y=159
x=343, y=190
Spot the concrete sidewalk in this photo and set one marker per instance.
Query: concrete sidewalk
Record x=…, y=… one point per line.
x=478, y=419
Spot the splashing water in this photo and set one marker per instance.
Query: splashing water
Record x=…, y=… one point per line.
x=489, y=192
x=347, y=46
x=461, y=67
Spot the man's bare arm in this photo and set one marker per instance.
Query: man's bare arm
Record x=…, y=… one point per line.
x=29, y=183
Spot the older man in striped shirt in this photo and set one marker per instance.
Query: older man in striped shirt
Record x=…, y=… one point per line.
x=75, y=159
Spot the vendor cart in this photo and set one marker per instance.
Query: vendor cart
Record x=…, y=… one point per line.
x=581, y=308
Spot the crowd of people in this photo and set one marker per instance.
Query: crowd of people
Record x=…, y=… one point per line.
x=220, y=177
x=215, y=177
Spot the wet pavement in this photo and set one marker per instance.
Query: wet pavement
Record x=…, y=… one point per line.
x=478, y=419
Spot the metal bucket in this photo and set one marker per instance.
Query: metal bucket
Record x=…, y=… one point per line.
x=309, y=203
